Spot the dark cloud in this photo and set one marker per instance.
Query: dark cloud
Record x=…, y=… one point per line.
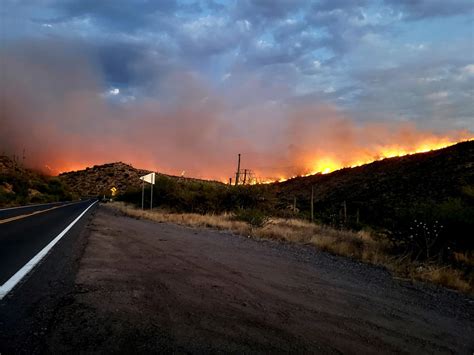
x=210, y=35
x=268, y=9
x=344, y=22
x=119, y=62
x=419, y=9
x=436, y=94
x=122, y=15
x=331, y=5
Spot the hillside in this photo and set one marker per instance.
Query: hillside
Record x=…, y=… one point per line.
x=99, y=179
x=392, y=193
x=20, y=185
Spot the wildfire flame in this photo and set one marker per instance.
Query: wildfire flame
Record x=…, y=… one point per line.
x=316, y=163
x=326, y=165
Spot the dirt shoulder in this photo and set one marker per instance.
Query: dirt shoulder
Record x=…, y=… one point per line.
x=147, y=286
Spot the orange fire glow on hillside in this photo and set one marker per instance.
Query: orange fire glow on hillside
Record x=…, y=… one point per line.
x=323, y=163
x=328, y=164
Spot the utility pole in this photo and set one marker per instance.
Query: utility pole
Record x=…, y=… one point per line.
x=237, y=173
x=245, y=175
x=312, y=204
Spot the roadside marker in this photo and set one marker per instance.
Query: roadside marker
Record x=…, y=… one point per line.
x=20, y=274
x=150, y=178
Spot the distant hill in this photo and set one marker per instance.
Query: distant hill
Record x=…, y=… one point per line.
x=393, y=192
x=20, y=185
x=99, y=179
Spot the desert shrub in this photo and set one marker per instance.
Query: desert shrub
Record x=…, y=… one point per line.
x=41, y=198
x=457, y=215
x=33, y=187
x=421, y=240
x=195, y=196
x=6, y=197
x=432, y=230
x=254, y=217
x=20, y=184
x=465, y=259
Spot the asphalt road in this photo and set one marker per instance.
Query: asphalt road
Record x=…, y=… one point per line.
x=28, y=309
x=25, y=231
x=7, y=213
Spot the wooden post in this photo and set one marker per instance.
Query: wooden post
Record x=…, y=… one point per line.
x=312, y=204
x=230, y=181
x=345, y=212
x=237, y=173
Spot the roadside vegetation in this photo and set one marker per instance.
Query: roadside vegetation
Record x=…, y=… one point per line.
x=413, y=214
x=22, y=186
x=363, y=245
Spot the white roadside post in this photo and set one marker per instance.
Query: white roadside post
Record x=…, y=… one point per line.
x=151, y=197
x=149, y=178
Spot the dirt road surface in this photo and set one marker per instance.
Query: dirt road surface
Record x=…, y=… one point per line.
x=143, y=286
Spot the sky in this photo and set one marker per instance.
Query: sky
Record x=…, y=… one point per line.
x=179, y=85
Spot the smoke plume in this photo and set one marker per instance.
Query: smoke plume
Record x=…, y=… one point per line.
x=53, y=106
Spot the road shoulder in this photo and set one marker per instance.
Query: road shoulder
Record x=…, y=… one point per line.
x=144, y=286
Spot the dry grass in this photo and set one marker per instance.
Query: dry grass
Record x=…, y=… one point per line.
x=223, y=222
x=445, y=276
x=362, y=245
x=466, y=258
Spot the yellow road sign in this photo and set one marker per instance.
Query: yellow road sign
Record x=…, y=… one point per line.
x=114, y=191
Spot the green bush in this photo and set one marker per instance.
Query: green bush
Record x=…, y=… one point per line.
x=254, y=217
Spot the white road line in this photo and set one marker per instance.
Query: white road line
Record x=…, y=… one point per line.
x=20, y=274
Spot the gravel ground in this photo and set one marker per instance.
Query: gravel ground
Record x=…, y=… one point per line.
x=143, y=286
